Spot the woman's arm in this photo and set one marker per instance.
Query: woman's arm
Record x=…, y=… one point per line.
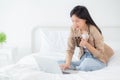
x=98, y=49
x=70, y=51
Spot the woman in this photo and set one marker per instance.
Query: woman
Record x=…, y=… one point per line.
x=94, y=53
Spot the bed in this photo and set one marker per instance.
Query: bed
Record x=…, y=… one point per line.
x=51, y=42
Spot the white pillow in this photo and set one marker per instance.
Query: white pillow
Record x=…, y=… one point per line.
x=53, y=41
x=54, y=44
x=28, y=61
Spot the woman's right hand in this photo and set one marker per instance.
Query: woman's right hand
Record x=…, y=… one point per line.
x=64, y=66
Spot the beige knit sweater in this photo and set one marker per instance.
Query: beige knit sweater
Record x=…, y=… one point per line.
x=103, y=52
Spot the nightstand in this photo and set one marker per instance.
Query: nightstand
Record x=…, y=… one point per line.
x=6, y=56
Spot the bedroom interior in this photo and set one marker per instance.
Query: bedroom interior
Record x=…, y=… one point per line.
x=30, y=24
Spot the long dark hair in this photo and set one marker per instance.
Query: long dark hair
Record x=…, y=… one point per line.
x=82, y=12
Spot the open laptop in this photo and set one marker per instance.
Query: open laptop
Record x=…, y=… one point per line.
x=48, y=65
x=51, y=66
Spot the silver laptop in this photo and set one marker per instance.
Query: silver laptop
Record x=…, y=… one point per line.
x=48, y=65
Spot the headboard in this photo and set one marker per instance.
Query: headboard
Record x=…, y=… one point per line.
x=111, y=35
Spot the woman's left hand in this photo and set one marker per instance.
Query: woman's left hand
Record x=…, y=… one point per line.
x=83, y=43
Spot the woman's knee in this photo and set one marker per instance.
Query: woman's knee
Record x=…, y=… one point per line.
x=84, y=67
x=90, y=64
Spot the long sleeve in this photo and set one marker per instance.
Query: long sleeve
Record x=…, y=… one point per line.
x=71, y=43
x=97, y=46
x=98, y=43
x=71, y=48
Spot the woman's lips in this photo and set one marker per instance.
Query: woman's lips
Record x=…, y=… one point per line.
x=77, y=27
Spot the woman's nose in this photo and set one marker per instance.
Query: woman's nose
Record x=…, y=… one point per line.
x=75, y=26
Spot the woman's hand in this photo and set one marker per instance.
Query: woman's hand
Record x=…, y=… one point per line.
x=64, y=66
x=83, y=43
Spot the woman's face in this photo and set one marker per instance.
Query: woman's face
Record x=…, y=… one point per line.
x=77, y=22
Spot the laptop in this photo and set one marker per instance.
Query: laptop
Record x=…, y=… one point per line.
x=48, y=65
x=69, y=71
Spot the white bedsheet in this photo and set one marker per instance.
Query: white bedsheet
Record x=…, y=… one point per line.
x=27, y=69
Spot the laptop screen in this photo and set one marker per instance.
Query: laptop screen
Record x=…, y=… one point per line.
x=48, y=65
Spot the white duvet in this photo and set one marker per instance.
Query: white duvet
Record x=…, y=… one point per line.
x=27, y=69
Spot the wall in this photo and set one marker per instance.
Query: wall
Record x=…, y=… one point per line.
x=19, y=17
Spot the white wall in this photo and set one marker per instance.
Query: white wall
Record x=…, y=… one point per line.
x=19, y=17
